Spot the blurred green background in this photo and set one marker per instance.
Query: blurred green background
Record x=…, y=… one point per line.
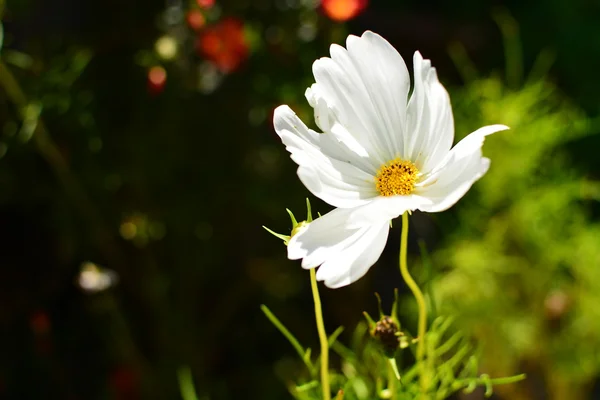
x=138, y=163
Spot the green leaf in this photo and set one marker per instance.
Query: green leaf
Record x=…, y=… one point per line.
x=290, y=337
x=333, y=337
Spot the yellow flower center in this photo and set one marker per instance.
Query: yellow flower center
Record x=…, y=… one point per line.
x=398, y=177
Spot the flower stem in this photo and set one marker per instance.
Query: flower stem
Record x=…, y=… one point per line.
x=392, y=380
x=186, y=384
x=322, y=337
x=422, y=323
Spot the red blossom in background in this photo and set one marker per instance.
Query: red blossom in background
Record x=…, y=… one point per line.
x=40, y=323
x=195, y=19
x=343, y=10
x=205, y=3
x=41, y=326
x=157, y=78
x=224, y=44
x=124, y=382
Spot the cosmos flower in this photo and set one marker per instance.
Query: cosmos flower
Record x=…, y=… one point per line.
x=380, y=155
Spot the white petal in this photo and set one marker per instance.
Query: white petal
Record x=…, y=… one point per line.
x=387, y=82
x=385, y=209
x=430, y=120
x=324, y=169
x=367, y=87
x=344, y=253
x=472, y=143
x=324, y=115
x=322, y=237
x=457, y=172
x=338, y=139
x=356, y=259
x=345, y=94
x=455, y=183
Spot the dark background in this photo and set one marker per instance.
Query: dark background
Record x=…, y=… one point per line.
x=195, y=173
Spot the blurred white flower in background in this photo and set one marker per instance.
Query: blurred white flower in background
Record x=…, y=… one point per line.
x=94, y=279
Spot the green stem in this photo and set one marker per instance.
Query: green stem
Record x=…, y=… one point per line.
x=186, y=384
x=392, y=379
x=322, y=337
x=422, y=323
x=492, y=381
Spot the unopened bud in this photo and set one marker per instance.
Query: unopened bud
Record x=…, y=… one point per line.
x=387, y=332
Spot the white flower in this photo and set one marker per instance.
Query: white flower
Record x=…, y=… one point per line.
x=381, y=153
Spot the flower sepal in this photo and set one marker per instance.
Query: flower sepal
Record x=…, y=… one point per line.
x=296, y=226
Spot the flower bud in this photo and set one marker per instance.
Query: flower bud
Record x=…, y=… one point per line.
x=388, y=334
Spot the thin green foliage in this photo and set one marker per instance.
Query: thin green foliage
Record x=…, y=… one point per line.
x=303, y=353
x=451, y=365
x=524, y=255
